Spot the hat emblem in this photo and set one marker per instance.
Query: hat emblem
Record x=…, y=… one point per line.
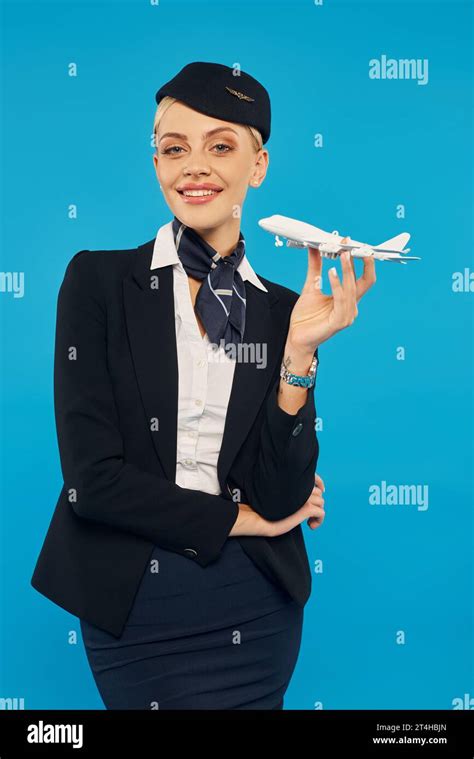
x=240, y=95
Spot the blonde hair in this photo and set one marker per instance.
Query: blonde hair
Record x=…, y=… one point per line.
x=164, y=104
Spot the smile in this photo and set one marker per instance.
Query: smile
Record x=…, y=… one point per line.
x=198, y=196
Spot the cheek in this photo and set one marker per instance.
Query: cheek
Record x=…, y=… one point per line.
x=163, y=176
x=240, y=188
x=234, y=170
x=166, y=173
x=236, y=179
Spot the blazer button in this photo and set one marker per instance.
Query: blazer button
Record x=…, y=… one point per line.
x=297, y=429
x=191, y=551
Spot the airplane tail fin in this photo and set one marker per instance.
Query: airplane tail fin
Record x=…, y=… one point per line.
x=395, y=243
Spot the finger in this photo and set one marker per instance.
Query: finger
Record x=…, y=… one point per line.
x=316, y=521
x=315, y=500
x=352, y=260
x=313, y=275
x=367, y=278
x=354, y=272
x=317, y=513
x=348, y=282
x=320, y=481
x=339, y=307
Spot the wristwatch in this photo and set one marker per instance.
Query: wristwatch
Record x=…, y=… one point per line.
x=295, y=379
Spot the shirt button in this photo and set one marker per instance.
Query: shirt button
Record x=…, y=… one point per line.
x=189, y=462
x=201, y=362
x=198, y=402
x=297, y=429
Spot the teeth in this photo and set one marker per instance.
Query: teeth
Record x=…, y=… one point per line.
x=198, y=193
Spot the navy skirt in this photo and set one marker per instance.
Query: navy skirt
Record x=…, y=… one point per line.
x=217, y=637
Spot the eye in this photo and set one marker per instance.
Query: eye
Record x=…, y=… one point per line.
x=171, y=148
x=177, y=149
x=223, y=145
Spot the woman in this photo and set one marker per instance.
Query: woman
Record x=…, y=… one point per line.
x=184, y=400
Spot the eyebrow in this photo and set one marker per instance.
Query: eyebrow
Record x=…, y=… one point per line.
x=204, y=136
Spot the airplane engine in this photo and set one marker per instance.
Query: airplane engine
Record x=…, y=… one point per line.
x=329, y=249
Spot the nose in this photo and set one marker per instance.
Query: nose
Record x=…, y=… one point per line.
x=196, y=168
x=197, y=164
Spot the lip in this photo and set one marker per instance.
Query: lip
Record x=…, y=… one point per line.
x=199, y=186
x=196, y=200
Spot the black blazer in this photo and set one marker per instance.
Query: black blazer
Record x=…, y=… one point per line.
x=116, y=396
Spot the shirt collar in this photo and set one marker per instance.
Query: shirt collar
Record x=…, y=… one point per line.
x=164, y=254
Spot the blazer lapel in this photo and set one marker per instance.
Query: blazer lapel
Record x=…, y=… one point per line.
x=150, y=318
x=265, y=327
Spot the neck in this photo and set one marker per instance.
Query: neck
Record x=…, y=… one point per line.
x=224, y=238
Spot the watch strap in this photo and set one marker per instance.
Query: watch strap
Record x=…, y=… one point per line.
x=306, y=381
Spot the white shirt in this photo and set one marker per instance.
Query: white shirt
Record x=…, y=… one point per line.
x=205, y=377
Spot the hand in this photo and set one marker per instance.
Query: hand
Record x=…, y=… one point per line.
x=316, y=317
x=312, y=511
x=318, y=490
x=249, y=522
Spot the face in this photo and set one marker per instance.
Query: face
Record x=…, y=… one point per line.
x=205, y=167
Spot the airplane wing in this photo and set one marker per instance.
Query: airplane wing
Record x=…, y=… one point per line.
x=394, y=245
x=357, y=249
x=392, y=256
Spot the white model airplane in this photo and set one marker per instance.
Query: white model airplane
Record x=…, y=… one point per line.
x=299, y=234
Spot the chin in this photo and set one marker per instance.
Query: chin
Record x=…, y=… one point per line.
x=199, y=217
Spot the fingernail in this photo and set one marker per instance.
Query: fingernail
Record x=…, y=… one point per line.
x=332, y=271
x=348, y=254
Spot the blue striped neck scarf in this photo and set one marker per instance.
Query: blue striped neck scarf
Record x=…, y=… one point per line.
x=220, y=302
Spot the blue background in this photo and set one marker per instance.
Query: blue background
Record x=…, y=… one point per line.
x=87, y=141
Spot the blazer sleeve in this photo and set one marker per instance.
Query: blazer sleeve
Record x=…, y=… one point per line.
x=282, y=477
x=107, y=488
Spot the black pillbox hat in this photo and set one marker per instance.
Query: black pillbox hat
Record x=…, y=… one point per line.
x=213, y=89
